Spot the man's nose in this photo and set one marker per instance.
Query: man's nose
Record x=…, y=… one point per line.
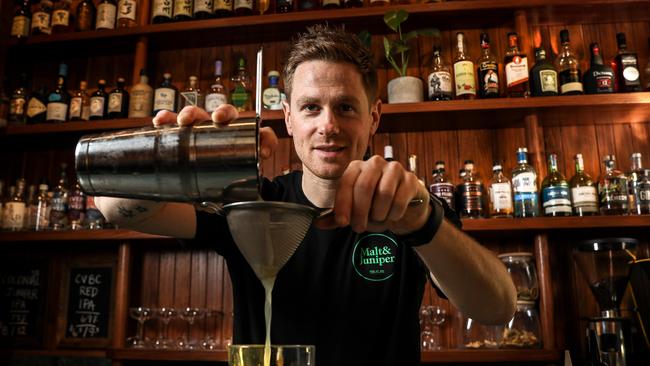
x=328, y=124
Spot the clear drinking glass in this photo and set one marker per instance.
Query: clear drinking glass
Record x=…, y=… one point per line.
x=190, y=315
x=141, y=315
x=437, y=317
x=521, y=266
x=210, y=341
x=164, y=315
x=288, y=355
x=427, y=339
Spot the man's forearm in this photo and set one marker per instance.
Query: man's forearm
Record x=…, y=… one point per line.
x=471, y=276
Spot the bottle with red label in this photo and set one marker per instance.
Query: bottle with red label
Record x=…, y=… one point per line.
x=599, y=79
x=516, y=68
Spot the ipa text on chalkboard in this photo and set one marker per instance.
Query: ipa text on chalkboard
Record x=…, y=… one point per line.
x=20, y=293
x=89, y=296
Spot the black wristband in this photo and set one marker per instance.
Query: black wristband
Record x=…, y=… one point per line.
x=426, y=233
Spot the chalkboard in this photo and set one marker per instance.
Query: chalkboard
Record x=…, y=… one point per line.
x=89, y=302
x=22, y=292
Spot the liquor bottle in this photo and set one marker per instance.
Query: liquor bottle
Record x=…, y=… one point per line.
x=599, y=79
x=524, y=185
x=413, y=168
x=14, y=209
x=283, y=6
x=203, y=9
x=58, y=101
x=470, y=192
x=106, y=15
x=18, y=103
x=304, y=5
x=37, y=106
x=516, y=68
x=627, y=67
x=126, y=13
x=183, y=10
x=556, y=200
x=30, y=206
x=352, y=3
x=21, y=20
x=62, y=17
x=94, y=218
x=99, y=102
x=272, y=97
x=5, y=212
x=331, y=4
x=76, y=207
x=223, y=8
x=584, y=196
x=80, y=104
x=487, y=70
x=463, y=71
x=59, y=203
x=612, y=189
x=161, y=11
x=141, y=103
x=165, y=96
x=440, y=85
x=192, y=94
x=388, y=153
x=42, y=18
x=636, y=193
x=217, y=95
x=543, y=76
x=86, y=12
x=118, y=101
x=441, y=185
x=244, y=7
x=240, y=93
x=568, y=67
x=500, y=193
x=41, y=218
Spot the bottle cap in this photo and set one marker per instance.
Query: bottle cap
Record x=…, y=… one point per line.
x=522, y=149
x=217, y=67
x=43, y=187
x=540, y=53
x=485, y=40
x=564, y=36
x=635, y=155
x=388, y=152
x=83, y=85
x=620, y=40
x=120, y=80
x=496, y=167
x=609, y=158
x=63, y=70
x=273, y=73
x=440, y=164
x=595, y=49
x=193, y=78
x=101, y=82
x=167, y=75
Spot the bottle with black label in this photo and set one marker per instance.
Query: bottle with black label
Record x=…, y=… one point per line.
x=308, y=5
x=161, y=11
x=21, y=20
x=441, y=185
x=18, y=103
x=165, y=96
x=118, y=101
x=516, y=68
x=568, y=66
x=470, y=193
x=59, y=202
x=543, y=76
x=58, y=101
x=439, y=81
x=37, y=106
x=488, y=70
x=80, y=104
x=627, y=67
x=599, y=79
x=98, y=102
x=638, y=199
x=183, y=10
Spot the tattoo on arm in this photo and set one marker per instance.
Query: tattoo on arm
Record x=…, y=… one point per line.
x=125, y=212
x=141, y=209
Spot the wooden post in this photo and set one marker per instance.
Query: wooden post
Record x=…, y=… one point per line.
x=547, y=319
x=535, y=144
x=122, y=295
x=140, y=58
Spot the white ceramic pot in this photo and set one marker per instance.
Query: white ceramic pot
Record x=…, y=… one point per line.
x=405, y=89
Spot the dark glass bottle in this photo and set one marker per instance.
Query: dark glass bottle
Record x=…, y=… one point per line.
x=439, y=81
x=515, y=64
x=118, y=101
x=627, y=67
x=283, y=6
x=599, y=79
x=37, y=106
x=470, y=193
x=543, y=76
x=161, y=11
x=165, y=96
x=568, y=67
x=487, y=70
x=223, y=8
x=58, y=101
x=203, y=9
x=98, y=102
x=85, y=15
x=183, y=10
x=244, y=7
x=331, y=4
x=21, y=20
x=42, y=18
x=352, y=3
x=304, y=5
x=18, y=103
x=62, y=17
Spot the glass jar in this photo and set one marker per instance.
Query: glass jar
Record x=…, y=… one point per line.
x=478, y=336
x=523, y=330
x=521, y=267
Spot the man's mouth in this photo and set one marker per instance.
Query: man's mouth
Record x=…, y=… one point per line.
x=329, y=151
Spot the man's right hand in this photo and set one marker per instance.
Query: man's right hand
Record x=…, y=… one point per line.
x=223, y=115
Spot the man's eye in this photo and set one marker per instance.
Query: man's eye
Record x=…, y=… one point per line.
x=310, y=107
x=347, y=108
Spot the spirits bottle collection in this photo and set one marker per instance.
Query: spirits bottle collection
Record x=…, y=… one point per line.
x=142, y=100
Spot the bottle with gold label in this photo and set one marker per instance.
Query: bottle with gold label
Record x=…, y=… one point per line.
x=86, y=12
x=80, y=104
x=62, y=17
x=222, y=8
x=141, y=102
x=463, y=70
x=331, y=4
x=18, y=102
x=126, y=13
x=240, y=94
x=21, y=21
x=161, y=11
x=183, y=10
x=37, y=106
x=203, y=9
x=42, y=18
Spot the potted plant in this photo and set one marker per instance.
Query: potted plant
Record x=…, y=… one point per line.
x=403, y=89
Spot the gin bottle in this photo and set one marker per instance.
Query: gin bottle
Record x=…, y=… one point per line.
x=555, y=191
x=470, y=192
x=584, y=196
x=441, y=185
x=524, y=184
x=500, y=193
x=59, y=203
x=612, y=189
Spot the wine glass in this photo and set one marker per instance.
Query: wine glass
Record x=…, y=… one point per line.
x=437, y=317
x=189, y=314
x=165, y=315
x=426, y=335
x=141, y=315
x=210, y=343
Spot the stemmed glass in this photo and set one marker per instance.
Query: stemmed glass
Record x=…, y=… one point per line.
x=427, y=339
x=437, y=317
x=141, y=315
x=209, y=343
x=189, y=315
x=165, y=315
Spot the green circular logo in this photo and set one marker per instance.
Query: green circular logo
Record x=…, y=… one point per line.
x=374, y=257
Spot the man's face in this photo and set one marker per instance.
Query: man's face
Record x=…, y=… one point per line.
x=329, y=117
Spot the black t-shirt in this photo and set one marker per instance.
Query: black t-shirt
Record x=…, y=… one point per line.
x=356, y=297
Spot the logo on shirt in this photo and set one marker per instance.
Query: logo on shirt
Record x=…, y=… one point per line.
x=374, y=257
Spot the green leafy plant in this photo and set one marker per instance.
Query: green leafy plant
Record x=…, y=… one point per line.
x=400, y=47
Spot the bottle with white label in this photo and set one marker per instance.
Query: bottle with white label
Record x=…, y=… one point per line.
x=161, y=11
x=584, y=196
x=118, y=101
x=80, y=104
x=568, y=67
x=516, y=68
x=627, y=67
x=59, y=203
x=500, y=193
x=192, y=95
x=141, y=101
x=106, y=14
x=126, y=13
x=58, y=101
x=272, y=96
x=99, y=102
x=41, y=218
x=635, y=191
x=165, y=96
x=463, y=70
x=441, y=184
x=203, y=9
x=15, y=209
x=556, y=200
x=217, y=95
x=524, y=186
x=439, y=81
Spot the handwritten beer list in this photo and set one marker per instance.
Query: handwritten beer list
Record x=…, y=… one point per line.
x=89, y=302
x=19, y=301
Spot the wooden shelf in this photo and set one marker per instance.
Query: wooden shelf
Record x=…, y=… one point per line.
x=451, y=12
x=167, y=355
x=504, y=225
x=76, y=235
x=53, y=353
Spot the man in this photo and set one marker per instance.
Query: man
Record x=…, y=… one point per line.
x=354, y=286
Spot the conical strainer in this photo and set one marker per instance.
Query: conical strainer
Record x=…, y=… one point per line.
x=268, y=233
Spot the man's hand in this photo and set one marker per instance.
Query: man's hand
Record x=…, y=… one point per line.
x=374, y=195
x=223, y=115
